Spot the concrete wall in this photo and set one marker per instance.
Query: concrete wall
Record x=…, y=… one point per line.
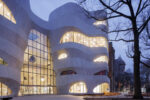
x=71, y=17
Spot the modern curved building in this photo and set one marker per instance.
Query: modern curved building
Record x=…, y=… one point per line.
x=66, y=55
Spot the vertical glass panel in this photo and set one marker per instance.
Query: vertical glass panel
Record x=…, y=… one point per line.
x=35, y=76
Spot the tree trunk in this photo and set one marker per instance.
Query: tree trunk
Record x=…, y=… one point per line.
x=136, y=59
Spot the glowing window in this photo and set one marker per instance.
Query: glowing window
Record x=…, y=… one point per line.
x=37, y=74
x=3, y=62
x=79, y=87
x=100, y=22
x=101, y=59
x=62, y=56
x=84, y=40
x=4, y=90
x=68, y=72
x=4, y=11
x=102, y=88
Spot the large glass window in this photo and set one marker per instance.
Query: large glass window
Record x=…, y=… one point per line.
x=37, y=74
x=102, y=88
x=4, y=90
x=4, y=11
x=84, y=40
x=79, y=87
x=3, y=62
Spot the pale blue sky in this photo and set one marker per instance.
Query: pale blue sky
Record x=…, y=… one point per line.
x=44, y=8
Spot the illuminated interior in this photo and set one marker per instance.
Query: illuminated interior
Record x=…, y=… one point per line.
x=102, y=88
x=4, y=90
x=37, y=74
x=79, y=87
x=4, y=11
x=101, y=59
x=62, y=56
x=84, y=40
x=2, y=62
x=100, y=22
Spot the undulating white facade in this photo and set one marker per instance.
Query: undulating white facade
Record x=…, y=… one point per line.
x=66, y=55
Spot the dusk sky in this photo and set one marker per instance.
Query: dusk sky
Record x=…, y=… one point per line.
x=44, y=8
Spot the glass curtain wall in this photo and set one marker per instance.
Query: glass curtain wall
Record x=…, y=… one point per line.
x=4, y=90
x=37, y=74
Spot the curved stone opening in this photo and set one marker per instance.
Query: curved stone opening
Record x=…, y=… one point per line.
x=3, y=62
x=5, y=11
x=101, y=59
x=78, y=87
x=4, y=90
x=68, y=72
x=101, y=88
x=103, y=72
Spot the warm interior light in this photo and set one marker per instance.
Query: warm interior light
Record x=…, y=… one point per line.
x=101, y=59
x=79, y=87
x=102, y=22
x=84, y=40
x=62, y=56
x=5, y=11
x=4, y=90
x=42, y=79
x=1, y=4
x=102, y=88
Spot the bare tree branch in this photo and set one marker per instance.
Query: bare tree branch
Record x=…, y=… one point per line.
x=148, y=66
x=119, y=13
x=123, y=40
x=142, y=27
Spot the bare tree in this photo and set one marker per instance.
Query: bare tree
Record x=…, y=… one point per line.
x=134, y=30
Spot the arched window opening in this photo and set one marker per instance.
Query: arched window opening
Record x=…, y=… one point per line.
x=79, y=87
x=5, y=11
x=4, y=90
x=80, y=38
x=2, y=62
x=102, y=88
x=104, y=72
x=62, y=56
x=68, y=72
x=101, y=59
x=100, y=22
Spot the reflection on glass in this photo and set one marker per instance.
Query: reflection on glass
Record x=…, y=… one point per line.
x=4, y=11
x=102, y=88
x=4, y=90
x=79, y=87
x=101, y=59
x=37, y=74
x=84, y=40
x=62, y=56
